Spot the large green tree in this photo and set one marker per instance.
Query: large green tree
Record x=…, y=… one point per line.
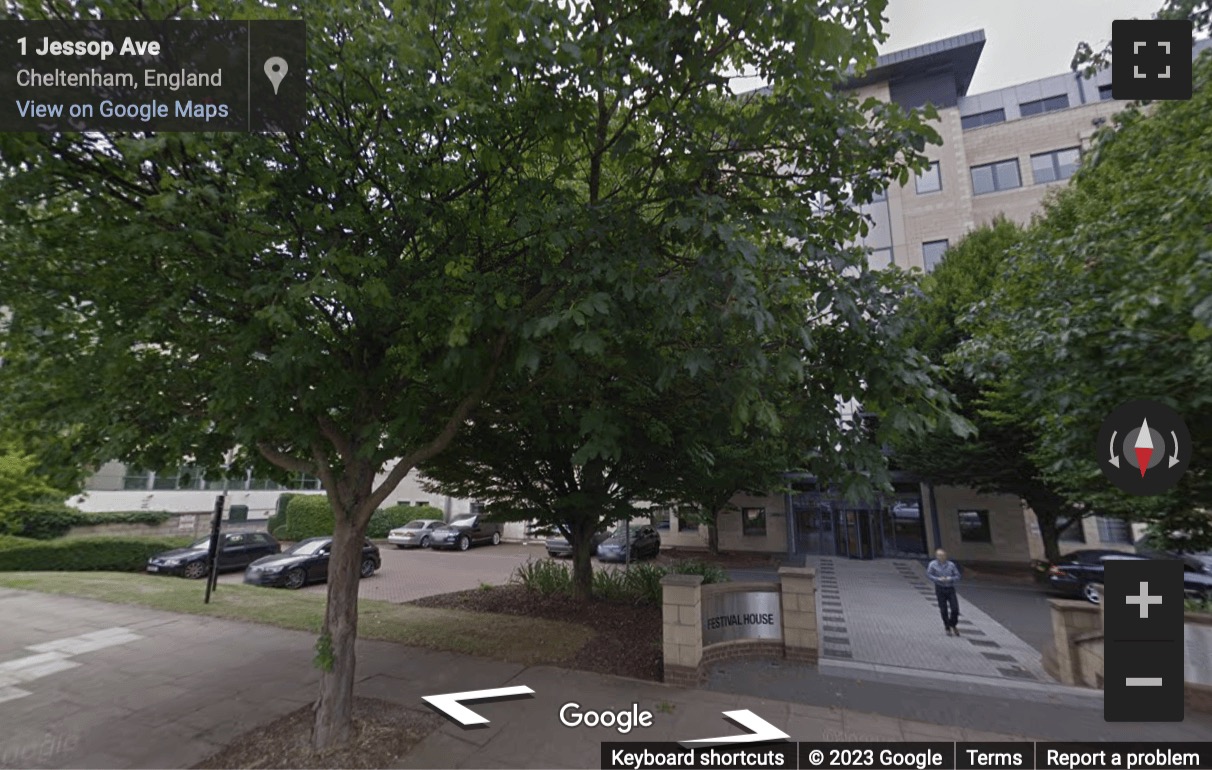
x=999, y=457
x=1111, y=300
x=474, y=181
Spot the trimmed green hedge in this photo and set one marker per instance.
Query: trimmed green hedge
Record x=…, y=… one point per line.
x=83, y=554
x=306, y=516
x=47, y=521
x=385, y=520
x=12, y=541
x=278, y=518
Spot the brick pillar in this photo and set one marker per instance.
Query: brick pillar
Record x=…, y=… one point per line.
x=682, y=614
x=801, y=639
x=1070, y=620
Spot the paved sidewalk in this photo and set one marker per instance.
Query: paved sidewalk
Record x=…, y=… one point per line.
x=148, y=689
x=883, y=613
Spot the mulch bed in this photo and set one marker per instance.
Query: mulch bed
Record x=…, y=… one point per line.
x=627, y=638
x=383, y=733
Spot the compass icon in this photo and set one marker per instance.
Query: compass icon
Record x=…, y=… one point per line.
x=1144, y=447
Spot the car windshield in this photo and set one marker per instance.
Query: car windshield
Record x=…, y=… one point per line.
x=308, y=547
x=463, y=523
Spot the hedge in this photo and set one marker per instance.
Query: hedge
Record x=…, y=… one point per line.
x=278, y=517
x=47, y=521
x=81, y=554
x=385, y=520
x=306, y=516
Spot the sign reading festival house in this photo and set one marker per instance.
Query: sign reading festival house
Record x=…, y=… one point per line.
x=741, y=615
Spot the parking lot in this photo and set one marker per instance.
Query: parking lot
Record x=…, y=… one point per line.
x=415, y=573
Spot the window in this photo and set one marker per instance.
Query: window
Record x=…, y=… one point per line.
x=266, y=484
x=993, y=177
x=686, y=520
x=1070, y=531
x=424, y=503
x=753, y=521
x=880, y=258
x=308, y=481
x=135, y=478
x=1113, y=530
x=476, y=508
x=974, y=527
x=930, y=180
x=165, y=480
x=932, y=254
x=983, y=119
x=1040, y=106
x=1104, y=92
x=1056, y=165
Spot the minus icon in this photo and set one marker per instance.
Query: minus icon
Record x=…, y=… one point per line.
x=1143, y=681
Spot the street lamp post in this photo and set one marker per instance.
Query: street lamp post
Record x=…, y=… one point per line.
x=216, y=526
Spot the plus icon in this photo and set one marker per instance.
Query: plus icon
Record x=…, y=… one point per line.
x=1144, y=600
x=1151, y=59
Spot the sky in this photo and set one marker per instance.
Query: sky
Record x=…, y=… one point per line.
x=1024, y=39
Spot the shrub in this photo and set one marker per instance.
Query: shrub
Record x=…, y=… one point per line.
x=385, y=520
x=12, y=541
x=278, y=517
x=712, y=573
x=308, y=516
x=611, y=585
x=78, y=554
x=47, y=521
x=644, y=583
x=544, y=576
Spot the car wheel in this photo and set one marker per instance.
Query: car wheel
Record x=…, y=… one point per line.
x=368, y=567
x=464, y=543
x=425, y=541
x=496, y=538
x=1090, y=593
x=295, y=579
x=195, y=570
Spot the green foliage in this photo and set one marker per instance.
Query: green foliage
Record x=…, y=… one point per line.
x=385, y=520
x=307, y=516
x=21, y=484
x=324, y=658
x=47, y=521
x=1108, y=301
x=12, y=541
x=77, y=554
x=638, y=583
x=278, y=517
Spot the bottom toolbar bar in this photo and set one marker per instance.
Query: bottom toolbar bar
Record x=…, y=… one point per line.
x=933, y=755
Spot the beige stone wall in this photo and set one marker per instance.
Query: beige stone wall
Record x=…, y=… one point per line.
x=801, y=638
x=1008, y=535
x=732, y=537
x=682, y=628
x=935, y=216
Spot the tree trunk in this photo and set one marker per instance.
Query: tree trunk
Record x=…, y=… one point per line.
x=581, y=536
x=1048, y=513
x=335, y=649
x=713, y=534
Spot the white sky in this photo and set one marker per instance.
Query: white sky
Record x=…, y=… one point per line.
x=1024, y=39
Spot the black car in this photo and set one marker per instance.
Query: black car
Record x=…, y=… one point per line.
x=1076, y=574
x=1200, y=561
x=236, y=551
x=645, y=542
x=558, y=545
x=305, y=562
x=464, y=533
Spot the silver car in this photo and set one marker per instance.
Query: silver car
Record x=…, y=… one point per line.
x=414, y=534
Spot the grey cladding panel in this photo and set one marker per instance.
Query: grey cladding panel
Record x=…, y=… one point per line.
x=912, y=93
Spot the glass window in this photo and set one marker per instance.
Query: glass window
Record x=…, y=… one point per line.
x=1113, y=530
x=930, y=180
x=1070, y=531
x=1056, y=165
x=974, y=527
x=267, y=484
x=135, y=478
x=165, y=480
x=1104, y=92
x=425, y=503
x=1040, y=106
x=982, y=119
x=307, y=481
x=753, y=521
x=993, y=177
x=880, y=258
x=932, y=254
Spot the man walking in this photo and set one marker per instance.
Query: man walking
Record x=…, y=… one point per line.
x=944, y=574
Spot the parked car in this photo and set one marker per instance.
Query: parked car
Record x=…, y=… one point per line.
x=464, y=533
x=558, y=545
x=236, y=551
x=414, y=534
x=645, y=543
x=1076, y=574
x=305, y=562
x=1192, y=562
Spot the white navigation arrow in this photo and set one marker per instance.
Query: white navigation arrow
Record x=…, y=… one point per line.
x=1174, y=457
x=760, y=730
x=1114, y=457
x=451, y=706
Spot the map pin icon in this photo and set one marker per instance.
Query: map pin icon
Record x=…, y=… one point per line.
x=275, y=70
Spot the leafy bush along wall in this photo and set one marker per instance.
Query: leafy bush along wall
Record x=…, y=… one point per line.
x=48, y=521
